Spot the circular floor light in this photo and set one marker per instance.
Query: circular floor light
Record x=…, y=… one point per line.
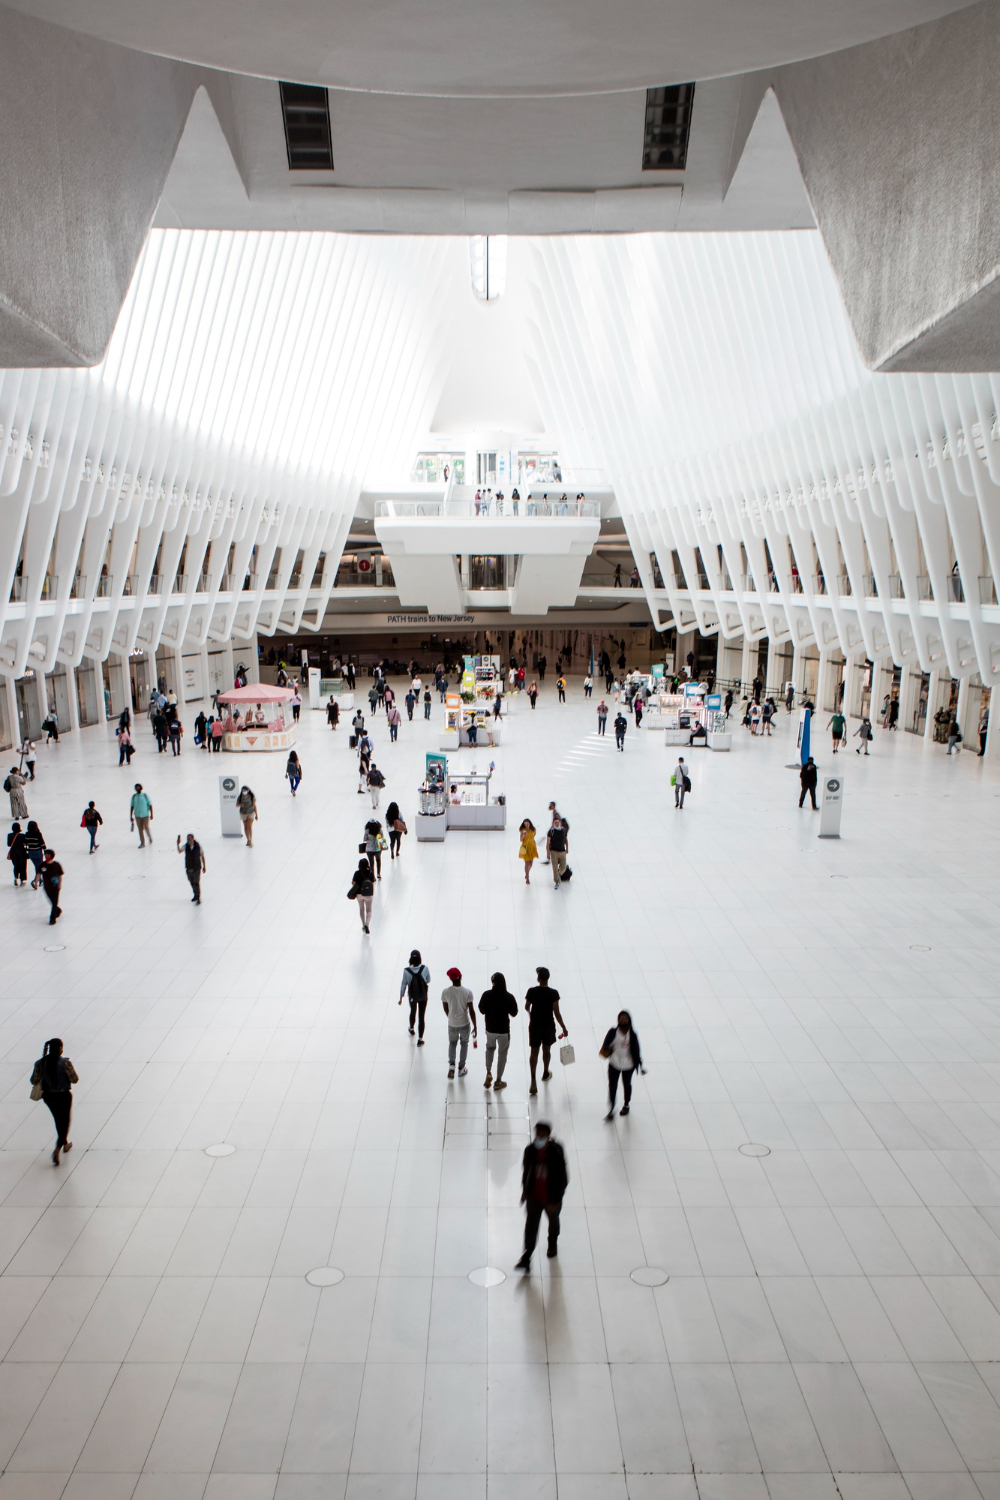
x=221, y=1148
x=649, y=1276
x=487, y=1276
x=325, y=1276
x=751, y=1148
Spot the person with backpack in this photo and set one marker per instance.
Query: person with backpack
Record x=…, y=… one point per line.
x=92, y=821
x=415, y=983
x=376, y=781
x=52, y=1080
x=682, y=783
x=293, y=771
x=496, y=1006
x=838, y=724
x=34, y=848
x=808, y=777
x=362, y=891
x=621, y=725
x=374, y=843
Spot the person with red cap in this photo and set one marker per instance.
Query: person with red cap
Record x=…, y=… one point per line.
x=460, y=1009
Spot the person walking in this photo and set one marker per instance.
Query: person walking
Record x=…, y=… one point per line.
x=160, y=731
x=394, y=823
x=602, y=717
x=496, y=1006
x=427, y=703
x=393, y=718
x=561, y=686
x=194, y=864
x=176, y=730
x=333, y=712
x=533, y=693
x=555, y=848
x=363, y=890
x=52, y=1080
x=201, y=730
x=15, y=784
x=984, y=728
x=618, y=576
x=621, y=1048
x=838, y=725
x=808, y=777
x=246, y=803
x=415, y=984
x=459, y=1007
x=544, y=1179
x=588, y=686
x=410, y=701
x=528, y=850
x=866, y=735
x=51, y=726
x=621, y=725
x=216, y=732
x=543, y=662
x=373, y=699
x=28, y=758
x=92, y=821
x=376, y=781
x=140, y=810
x=729, y=701
x=34, y=847
x=542, y=1004
x=293, y=771
x=52, y=879
x=637, y=709
x=374, y=844
x=296, y=701
x=17, y=854
x=682, y=782
x=126, y=749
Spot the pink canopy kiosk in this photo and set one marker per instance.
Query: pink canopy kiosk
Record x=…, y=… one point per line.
x=255, y=718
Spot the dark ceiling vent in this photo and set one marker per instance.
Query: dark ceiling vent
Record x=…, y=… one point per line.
x=668, y=126
x=306, y=113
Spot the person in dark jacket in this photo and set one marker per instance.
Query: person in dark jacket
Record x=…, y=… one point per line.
x=416, y=979
x=544, y=1177
x=362, y=890
x=497, y=1006
x=621, y=1048
x=55, y=1075
x=808, y=777
x=621, y=724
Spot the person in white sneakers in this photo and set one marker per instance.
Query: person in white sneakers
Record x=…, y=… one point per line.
x=460, y=1009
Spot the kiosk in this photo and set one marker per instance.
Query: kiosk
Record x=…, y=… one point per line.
x=470, y=804
x=260, y=723
x=322, y=689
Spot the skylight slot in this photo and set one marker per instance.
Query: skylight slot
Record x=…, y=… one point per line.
x=305, y=111
x=668, y=128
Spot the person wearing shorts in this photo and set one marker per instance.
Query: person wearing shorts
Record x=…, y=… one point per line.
x=542, y=1004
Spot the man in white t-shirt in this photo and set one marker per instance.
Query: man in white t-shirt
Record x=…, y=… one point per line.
x=460, y=1009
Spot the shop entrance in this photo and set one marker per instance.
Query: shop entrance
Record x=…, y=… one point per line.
x=918, y=722
x=29, y=720
x=138, y=670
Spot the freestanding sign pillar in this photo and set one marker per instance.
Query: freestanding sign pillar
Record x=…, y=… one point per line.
x=803, y=741
x=830, y=806
x=229, y=813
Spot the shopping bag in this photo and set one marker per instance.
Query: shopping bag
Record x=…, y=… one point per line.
x=673, y=780
x=566, y=1053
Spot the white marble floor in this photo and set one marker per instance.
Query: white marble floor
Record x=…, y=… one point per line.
x=830, y=1325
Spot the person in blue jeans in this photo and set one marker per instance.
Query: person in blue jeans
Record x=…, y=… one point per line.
x=92, y=821
x=293, y=771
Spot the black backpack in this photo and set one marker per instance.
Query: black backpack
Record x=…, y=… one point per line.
x=418, y=984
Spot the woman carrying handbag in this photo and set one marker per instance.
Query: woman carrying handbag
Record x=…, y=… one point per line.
x=51, y=1080
x=621, y=1048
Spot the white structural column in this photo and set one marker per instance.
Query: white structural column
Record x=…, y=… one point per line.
x=933, y=683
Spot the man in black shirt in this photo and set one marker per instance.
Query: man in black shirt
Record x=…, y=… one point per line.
x=52, y=875
x=194, y=864
x=497, y=1006
x=542, y=1004
x=555, y=848
x=808, y=777
x=544, y=1177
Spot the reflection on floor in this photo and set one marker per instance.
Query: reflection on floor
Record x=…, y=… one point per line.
x=830, y=1324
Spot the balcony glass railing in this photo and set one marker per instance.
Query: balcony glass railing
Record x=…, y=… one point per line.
x=871, y=587
x=819, y=583
x=180, y=583
x=155, y=584
x=987, y=590
x=78, y=588
x=204, y=584
x=492, y=508
x=18, y=590
x=844, y=586
x=924, y=590
x=956, y=592
x=895, y=586
x=105, y=586
x=50, y=586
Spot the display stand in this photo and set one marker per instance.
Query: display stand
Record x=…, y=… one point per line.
x=470, y=805
x=322, y=689
x=431, y=820
x=276, y=733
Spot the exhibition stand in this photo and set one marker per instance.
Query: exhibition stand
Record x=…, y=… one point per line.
x=459, y=717
x=463, y=802
x=255, y=718
x=322, y=689
x=692, y=711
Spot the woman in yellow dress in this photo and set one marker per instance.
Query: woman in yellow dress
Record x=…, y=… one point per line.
x=528, y=850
